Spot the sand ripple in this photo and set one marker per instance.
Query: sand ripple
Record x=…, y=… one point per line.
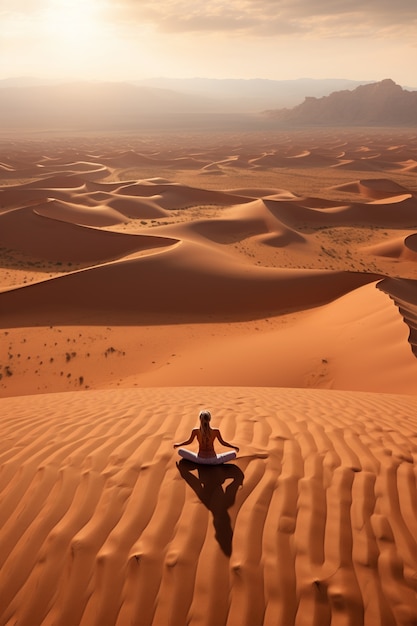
x=314, y=523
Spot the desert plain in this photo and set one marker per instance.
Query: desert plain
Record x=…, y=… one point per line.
x=270, y=277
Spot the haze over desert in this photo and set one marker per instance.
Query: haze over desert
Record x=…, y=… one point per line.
x=269, y=277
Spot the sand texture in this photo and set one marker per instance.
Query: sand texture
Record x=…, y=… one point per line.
x=269, y=278
x=314, y=523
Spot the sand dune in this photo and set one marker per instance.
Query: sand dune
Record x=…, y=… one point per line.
x=177, y=282
x=363, y=347
x=364, y=344
x=399, y=248
x=171, y=196
x=45, y=233
x=98, y=215
x=269, y=278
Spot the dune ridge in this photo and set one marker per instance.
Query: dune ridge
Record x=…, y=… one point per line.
x=404, y=294
x=168, y=285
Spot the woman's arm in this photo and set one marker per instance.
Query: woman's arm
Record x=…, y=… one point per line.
x=189, y=440
x=223, y=442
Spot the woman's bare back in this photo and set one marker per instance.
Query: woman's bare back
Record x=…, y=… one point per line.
x=206, y=442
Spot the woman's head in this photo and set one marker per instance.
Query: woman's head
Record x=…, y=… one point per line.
x=205, y=416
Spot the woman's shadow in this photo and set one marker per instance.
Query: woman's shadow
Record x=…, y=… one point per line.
x=208, y=487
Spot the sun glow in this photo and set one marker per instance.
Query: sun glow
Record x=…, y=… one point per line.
x=73, y=35
x=73, y=21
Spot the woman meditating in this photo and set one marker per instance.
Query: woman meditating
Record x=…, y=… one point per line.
x=206, y=436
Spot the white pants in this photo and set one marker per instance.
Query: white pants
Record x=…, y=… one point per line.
x=212, y=460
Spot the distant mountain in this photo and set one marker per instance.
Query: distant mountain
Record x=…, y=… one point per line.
x=196, y=104
x=155, y=103
x=381, y=104
x=254, y=94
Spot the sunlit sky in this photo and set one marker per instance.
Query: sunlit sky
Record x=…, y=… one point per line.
x=275, y=39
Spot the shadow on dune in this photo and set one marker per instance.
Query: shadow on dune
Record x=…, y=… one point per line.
x=403, y=292
x=208, y=485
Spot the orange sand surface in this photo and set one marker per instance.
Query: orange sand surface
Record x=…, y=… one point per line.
x=270, y=278
x=314, y=523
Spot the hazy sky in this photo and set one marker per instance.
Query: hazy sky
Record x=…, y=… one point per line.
x=277, y=39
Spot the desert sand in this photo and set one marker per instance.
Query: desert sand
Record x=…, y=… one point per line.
x=270, y=278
